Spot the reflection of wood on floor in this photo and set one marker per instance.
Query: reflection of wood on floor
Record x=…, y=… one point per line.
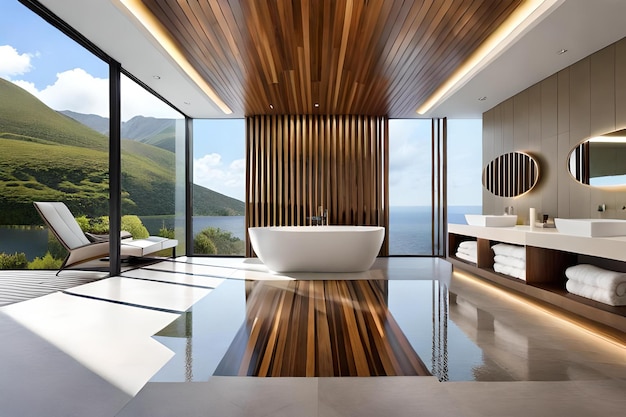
x=319, y=328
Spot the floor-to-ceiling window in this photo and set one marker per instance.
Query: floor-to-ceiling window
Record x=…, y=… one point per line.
x=153, y=165
x=54, y=142
x=464, y=168
x=219, y=180
x=49, y=85
x=410, y=187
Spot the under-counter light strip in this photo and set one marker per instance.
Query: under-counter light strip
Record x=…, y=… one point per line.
x=161, y=35
x=570, y=321
x=525, y=14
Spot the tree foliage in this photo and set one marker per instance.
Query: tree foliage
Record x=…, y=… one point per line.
x=215, y=241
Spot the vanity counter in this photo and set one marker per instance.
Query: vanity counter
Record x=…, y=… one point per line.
x=548, y=254
x=604, y=247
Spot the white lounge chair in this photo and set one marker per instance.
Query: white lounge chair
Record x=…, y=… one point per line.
x=85, y=247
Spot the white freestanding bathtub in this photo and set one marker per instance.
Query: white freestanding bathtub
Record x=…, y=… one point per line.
x=317, y=248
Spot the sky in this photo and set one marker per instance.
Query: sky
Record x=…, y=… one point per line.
x=37, y=57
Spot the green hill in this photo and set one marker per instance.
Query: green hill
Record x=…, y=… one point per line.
x=45, y=155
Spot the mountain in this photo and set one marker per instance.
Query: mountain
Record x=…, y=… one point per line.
x=47, y=156
x=148, y=130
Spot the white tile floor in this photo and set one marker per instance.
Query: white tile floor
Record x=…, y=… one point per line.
x=90, y=352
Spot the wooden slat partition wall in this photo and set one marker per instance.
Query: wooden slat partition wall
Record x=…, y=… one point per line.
x=297, y=163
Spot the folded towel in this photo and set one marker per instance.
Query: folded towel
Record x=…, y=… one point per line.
x=468, y=251
x=595, y=293
x=466, y=257
x=510, y=261
x=510, y=271
x=468, y=244
x=612, y=281
x=510, y=250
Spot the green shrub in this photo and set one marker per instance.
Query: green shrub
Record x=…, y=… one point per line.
x=134, y=226
x=204, y=245
x=215, y=241
x=15, y=261
x=167, y=233
x=47, y=262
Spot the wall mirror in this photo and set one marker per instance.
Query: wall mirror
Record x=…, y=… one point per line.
x=511, y=174
x=600, y=161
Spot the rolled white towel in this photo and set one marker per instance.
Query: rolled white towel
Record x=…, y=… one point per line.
x=613, y=281
x=510, y=261
x=601, y=295
x=510, y=271
x=510, y=250
x=466, y=257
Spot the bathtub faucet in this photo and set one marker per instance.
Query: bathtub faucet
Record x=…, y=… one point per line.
x=322, y=216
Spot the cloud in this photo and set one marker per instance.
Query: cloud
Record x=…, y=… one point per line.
x=77, y=90
x=209, y=171
x=13, y=63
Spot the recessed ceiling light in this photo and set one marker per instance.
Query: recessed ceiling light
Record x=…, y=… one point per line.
x=149, y=21
x=317, y=105
x=483, y=98
x=272, y=106
x=562, y=51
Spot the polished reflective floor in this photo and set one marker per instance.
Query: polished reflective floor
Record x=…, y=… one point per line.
x=460, y=328
x=194, y=336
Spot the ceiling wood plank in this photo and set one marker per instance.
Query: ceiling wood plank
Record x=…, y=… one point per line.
x=360, y=57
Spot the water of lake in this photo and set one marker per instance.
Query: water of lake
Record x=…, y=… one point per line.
x=409, y=230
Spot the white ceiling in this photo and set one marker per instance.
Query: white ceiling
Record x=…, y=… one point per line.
x=580, y=26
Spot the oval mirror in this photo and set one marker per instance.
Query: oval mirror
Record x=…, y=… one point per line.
x=511, y=174
x=600, y=161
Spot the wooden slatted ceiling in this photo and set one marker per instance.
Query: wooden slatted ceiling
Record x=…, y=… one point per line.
x=362, y=57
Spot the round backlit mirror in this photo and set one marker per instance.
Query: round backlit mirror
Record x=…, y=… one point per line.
x=600, y=161
x=511, y=174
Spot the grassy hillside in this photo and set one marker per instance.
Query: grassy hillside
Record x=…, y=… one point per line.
x=45, y=155
x=23, y=115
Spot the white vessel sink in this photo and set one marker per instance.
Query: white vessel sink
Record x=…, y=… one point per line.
x=591, y=227
x=490, y=220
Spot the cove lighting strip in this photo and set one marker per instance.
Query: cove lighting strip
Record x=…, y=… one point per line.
x=161, y=35
x=521, y=18
x=568, y=321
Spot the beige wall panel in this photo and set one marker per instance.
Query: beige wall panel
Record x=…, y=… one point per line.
x=508, y=127
x=563, y=178
x=580, y=101
x=520, y=121
x=534, y=120
x=550, y=107
x=620, y=84
x=563, y=94
x=589, y=96
x=549, y=179
x=602, y=91
x=488, y=152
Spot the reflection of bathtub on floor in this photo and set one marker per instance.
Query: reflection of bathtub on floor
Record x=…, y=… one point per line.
x=317, y=248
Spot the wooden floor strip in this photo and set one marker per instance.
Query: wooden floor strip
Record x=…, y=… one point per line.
x=319, y=328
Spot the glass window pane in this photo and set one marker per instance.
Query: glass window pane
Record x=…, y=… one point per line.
x=219, y=180
x=410, y=207
x=153, y=166
x=50, y=86
x=465, y=149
